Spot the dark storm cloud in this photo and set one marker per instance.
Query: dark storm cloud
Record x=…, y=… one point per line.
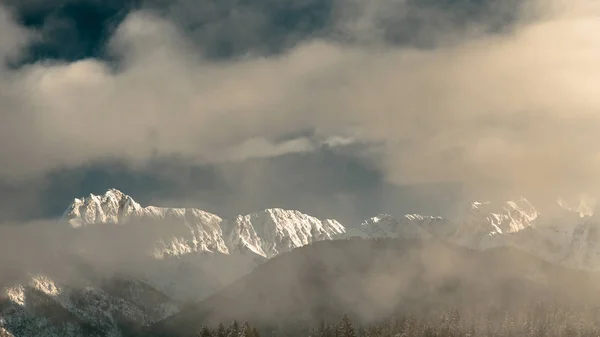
x=68, y=29
x=480, y=106
x=78, y=29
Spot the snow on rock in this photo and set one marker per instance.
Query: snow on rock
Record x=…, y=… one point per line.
x=4, y=332
x=189, y=240
x=185, y=231
x=584, y=205
x=435, y=225
x=113, y=207
x=272, y=231
x=15, y=294
x=485, y=223
x=386, y=226
x=176, y=231
x=189, y=230
x=567, y=233
x=42, y=306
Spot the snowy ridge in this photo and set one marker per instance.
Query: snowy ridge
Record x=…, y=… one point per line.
x=565, y=235
x=193, y=244
x=44, y=307
x=112, y=207
x=189, y=230
x=485, y=223
x=386, y=226
x=273, y=231
x=585, y=205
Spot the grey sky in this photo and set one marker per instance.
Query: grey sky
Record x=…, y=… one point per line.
x=467, y=100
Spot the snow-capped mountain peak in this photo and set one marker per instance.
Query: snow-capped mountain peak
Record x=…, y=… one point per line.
x=385, y=225
x=484, y=222
x=584, y=206
x=183, y=230
x=275, y=230
x=265, y=233
x=112, y=207
x=508, y=217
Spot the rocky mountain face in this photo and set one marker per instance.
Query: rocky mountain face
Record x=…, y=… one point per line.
x=265, y=233
x=187, y=254
x=272, y=231
x=43, y=306
x=566, y=234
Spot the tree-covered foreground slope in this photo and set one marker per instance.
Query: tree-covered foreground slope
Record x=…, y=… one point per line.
x=371, y=280
x=532, y=321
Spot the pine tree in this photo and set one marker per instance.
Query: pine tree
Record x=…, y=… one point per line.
x=345, y=328
x=204, y=332
x=245, y=330
x=220, y=331
x=234, y=329
x=254, y=332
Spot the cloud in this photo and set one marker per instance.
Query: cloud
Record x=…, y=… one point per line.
x=261, y=148
x=510, y=111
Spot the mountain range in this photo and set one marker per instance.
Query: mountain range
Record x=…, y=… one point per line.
x=124, y=253
x=564, y=234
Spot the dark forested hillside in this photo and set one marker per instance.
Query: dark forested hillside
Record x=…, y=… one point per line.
x=372, y=280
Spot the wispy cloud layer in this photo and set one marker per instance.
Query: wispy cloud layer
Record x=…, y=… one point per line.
x=516, y=110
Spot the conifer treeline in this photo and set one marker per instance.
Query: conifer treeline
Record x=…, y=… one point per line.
x=540, y=321
x=234, y=330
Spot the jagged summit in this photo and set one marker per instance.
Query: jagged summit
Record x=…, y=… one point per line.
x=385, y=225
x=563, y=232
x=584, y=205
x=265, y=233
x=506, y=217
x=113, y=207
x=275, y=230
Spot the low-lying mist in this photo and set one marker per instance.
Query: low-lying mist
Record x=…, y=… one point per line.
x=371, y=280
x=88, y=255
